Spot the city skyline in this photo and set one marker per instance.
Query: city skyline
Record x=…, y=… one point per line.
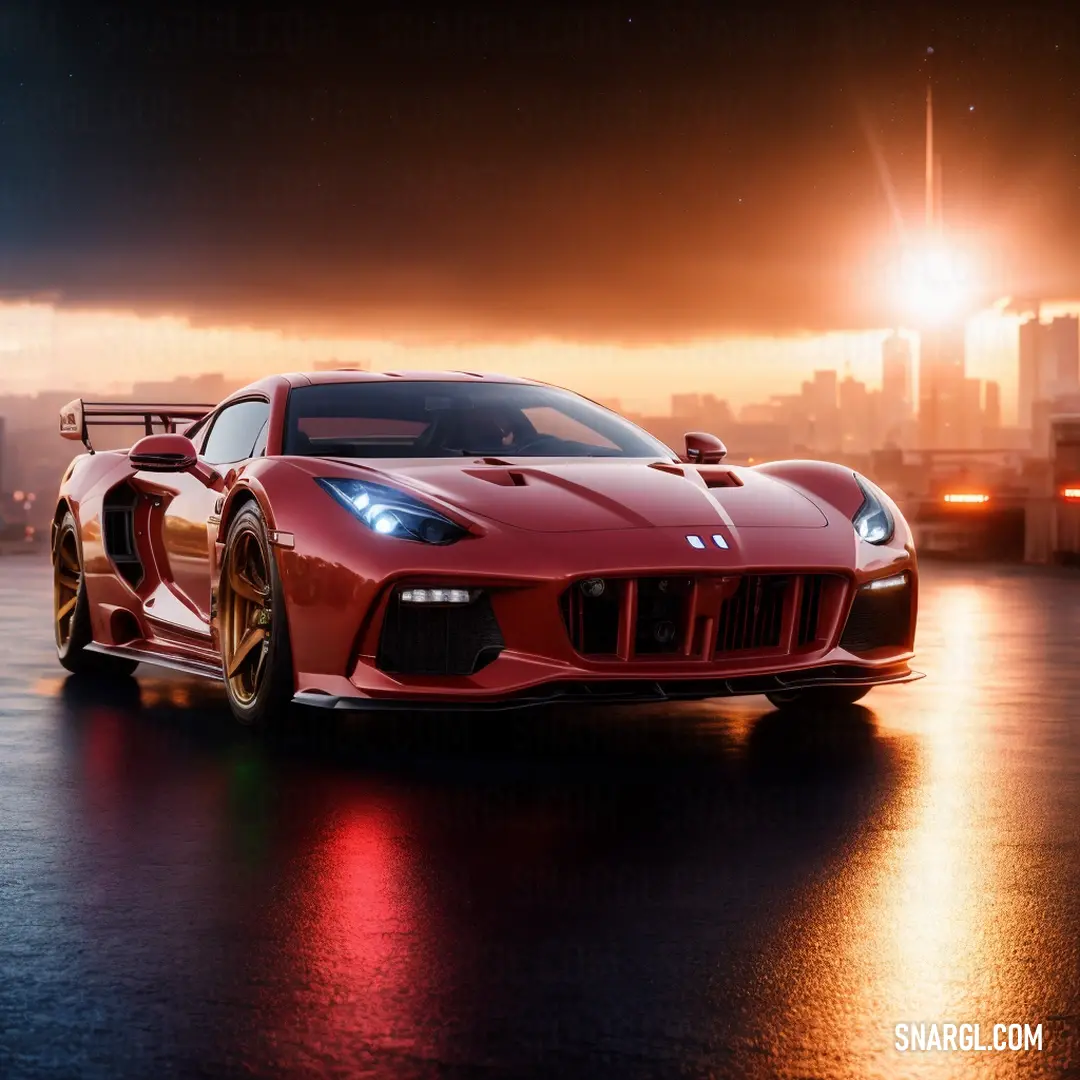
x=43, y=347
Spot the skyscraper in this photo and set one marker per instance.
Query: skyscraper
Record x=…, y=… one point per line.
x=822, y=411
x=895, y=384
x=1061, y=363
x=1029, y=373
x=1049, y=363
x=992, y=407
x=943, y=395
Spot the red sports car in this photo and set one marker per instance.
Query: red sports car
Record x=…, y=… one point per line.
x=444, y=540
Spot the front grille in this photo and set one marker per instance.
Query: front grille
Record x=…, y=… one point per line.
x=879, y=619
x=810, y=609
x=700, y=618
x=661, y=614
x=753, y=617
x=451, y=639
x=593, y=621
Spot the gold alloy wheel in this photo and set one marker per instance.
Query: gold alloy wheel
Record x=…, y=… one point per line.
x=246, y=616
x=67, y=574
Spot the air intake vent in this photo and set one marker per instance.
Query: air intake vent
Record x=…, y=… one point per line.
x=118, y=527
x=450, y=640
x=879, y=619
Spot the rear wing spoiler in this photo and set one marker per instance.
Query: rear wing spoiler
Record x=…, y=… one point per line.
x=78, y=416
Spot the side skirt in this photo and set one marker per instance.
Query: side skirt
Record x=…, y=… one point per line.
x=203, y=668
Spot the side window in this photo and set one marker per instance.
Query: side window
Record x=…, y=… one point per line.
x=196, y=432
x=260, y=440
x=232, y=438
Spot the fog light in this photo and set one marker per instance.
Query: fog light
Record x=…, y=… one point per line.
x=895, y=582
x=435, y=596
x=594, y=587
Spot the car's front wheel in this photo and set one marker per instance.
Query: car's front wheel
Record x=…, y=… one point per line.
x=71, y=610
x=256, y=653
x=821, y=697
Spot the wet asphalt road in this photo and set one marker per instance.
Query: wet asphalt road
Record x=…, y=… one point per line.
x=689, y=891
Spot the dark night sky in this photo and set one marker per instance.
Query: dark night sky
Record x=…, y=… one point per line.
x=625, y=172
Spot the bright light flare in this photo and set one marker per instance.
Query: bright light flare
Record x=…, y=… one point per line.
x=1071, y=493
x=935, y=283
x=967, y=498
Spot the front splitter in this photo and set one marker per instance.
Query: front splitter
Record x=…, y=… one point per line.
x=624, y=691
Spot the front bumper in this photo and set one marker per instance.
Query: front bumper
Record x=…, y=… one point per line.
x=627, y=691
x=338, y=617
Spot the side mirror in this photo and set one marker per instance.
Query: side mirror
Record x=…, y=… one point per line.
x=704, y=449
x=163, y=453
x=166, y=453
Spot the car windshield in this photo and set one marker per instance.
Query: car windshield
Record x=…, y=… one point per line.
x=453, y=419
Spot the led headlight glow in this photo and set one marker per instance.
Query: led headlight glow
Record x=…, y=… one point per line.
x=895, y=581
x=873, y=522
x=435, y=596
x=389, y=512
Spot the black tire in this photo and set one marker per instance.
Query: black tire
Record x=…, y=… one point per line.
x=818, y=697
x=71, y=611
x=260, y=683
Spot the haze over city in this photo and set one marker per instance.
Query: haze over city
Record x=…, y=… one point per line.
x=619, y=202
x=42, y=346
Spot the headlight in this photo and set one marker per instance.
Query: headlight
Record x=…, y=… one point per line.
x=390, y=512
x=872, y=520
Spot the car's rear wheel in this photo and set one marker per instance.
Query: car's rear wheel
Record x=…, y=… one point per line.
x=823, y=697
x=256, y=653
x=71, y=610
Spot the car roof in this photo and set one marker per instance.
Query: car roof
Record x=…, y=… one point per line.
x=347, y=375
x=342, y=376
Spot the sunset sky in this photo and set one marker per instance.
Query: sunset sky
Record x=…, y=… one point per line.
x=629, y=201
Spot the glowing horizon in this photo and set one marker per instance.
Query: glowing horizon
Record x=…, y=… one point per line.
x=44, y=347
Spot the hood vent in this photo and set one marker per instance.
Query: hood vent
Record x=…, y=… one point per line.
x=502, y=477
x=719, y=478
x=664, y=466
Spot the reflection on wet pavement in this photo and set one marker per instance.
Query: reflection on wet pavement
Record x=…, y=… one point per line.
x=700, y=890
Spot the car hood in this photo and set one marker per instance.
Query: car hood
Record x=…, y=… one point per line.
x=580, y=496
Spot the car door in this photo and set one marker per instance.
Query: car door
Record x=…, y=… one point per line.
x=230, y=441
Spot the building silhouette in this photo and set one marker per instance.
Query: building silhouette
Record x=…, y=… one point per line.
x=992, y=416
x=1049, y=371
x=943, y=394
x=896, y=391
x=949, y=418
